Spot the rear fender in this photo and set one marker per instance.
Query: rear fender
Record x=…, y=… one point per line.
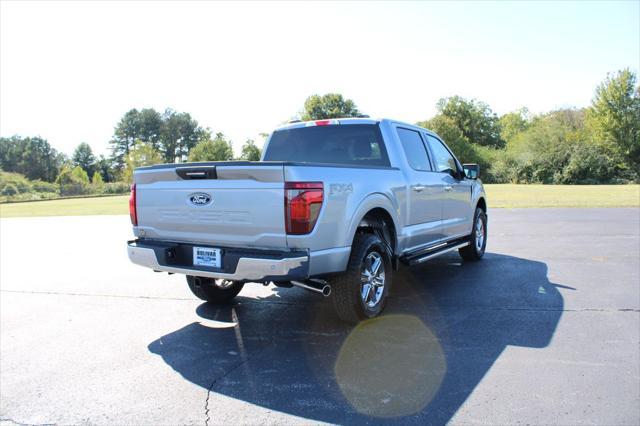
x=371, y=202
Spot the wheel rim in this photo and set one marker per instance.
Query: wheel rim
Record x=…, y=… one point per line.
x=373, y=279
x=479, y=234
x=223, y=284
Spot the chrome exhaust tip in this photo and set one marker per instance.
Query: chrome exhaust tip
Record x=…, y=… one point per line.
x=314, y=286
x=326, y=290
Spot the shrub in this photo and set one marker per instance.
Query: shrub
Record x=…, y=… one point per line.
x=79, y=175
x=97, y=179
x=504, y=168
x=543, y=150
x=71, y=189
x=589, y=164
x=21, y=183
x=73, y=181
x=42, y=186
x=9, y=190
x=116, y=188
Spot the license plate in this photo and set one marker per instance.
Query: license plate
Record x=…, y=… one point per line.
x=207, y=256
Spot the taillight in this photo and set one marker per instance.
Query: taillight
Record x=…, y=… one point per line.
x=302, y=203
x=133, y=214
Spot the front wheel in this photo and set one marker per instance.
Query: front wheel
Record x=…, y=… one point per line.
x=477, y=239
x=212, y=290
x=361, y=291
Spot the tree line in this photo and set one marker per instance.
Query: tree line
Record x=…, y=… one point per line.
x=596, y=144
x=592, y=145
x=31, y=169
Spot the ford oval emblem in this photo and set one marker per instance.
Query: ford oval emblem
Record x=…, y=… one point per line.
x=200, y=199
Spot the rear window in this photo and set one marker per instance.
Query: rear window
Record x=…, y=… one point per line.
x=353, y=144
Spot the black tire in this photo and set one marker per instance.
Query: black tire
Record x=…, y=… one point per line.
x=475, y=250
x=347, y=288
x=207, y=289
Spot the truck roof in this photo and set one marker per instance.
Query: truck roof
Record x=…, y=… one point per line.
x=297, y=123
x=350, y=120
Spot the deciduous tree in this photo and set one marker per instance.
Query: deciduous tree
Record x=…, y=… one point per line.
x=614, y=117
x=30, y=156
x=513, y=123
x=477, y=122
x=465, y=151
x=172, y=133
x=180, y=133
x=218, y=149
x=331, y=105
x=250, y=151
x=79, y=175
x=142, y=154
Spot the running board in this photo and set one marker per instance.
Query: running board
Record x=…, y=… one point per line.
x=433, y=252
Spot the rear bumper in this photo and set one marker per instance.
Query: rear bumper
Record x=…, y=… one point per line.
x=237, y=264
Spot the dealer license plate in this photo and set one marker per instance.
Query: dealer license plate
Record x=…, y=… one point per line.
x=207, y=256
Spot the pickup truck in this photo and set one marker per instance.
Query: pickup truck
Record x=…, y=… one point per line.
x=334, y=206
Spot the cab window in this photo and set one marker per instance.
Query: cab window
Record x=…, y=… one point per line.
x=442, y=158
x=414, y=149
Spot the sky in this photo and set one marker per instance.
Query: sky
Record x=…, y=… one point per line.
x=70, y=70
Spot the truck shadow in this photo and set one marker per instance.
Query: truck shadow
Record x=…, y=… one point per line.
x=445, y=325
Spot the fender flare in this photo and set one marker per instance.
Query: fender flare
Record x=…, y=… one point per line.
x=373, y=201
x=477, y=194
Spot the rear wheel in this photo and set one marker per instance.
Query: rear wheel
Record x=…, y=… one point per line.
x=212, y=290
x=361, y=291
x=477, y=239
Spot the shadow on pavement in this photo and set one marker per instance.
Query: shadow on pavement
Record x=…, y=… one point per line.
x=444, y=327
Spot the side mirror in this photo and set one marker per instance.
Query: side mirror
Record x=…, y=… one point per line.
x=471, y=171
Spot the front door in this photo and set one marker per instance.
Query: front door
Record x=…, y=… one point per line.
x=424, y=195
x=457, y=212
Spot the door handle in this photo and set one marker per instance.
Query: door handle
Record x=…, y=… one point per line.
x=418, y=188
x=448, y=188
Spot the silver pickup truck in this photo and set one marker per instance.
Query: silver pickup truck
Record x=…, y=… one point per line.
x=334, y=207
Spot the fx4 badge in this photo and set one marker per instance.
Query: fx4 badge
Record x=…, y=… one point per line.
x=340, y=188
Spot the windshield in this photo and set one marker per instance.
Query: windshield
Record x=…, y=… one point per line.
x=353, y=144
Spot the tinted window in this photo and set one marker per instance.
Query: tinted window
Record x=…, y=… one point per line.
x=441, y=155
x=354, y=144
x=414, y=149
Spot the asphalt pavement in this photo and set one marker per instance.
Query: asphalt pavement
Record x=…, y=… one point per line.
x=544, y=330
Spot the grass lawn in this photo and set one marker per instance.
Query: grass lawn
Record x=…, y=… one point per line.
x=513, y=196
x=509, y=196
x=69, y=207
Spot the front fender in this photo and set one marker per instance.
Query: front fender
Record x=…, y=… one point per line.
x=477, y=192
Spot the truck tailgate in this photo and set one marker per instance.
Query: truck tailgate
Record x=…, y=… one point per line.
x=234, y=205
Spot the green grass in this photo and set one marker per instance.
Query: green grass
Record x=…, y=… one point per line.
x=509, y=196
x=514, y=196
x=69, y=207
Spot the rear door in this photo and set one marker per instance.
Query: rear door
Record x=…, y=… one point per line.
x=425, y=192
x=217, y=205
x=456, y=206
